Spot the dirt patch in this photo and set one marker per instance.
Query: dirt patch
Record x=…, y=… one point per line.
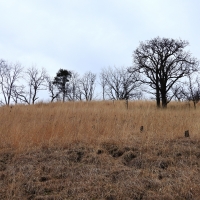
x=128, y=157
x=2, y=166
x=113, y=149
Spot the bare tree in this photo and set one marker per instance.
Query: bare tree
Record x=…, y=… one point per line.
x=87, y=85
x=177, y=91
x=17, y=95
x=120, y=84
x=74, y=91
x=191, y=90
x=162, y=62
x=102, y=78
x=54, y=93
x=9, y=76
x=36, y=80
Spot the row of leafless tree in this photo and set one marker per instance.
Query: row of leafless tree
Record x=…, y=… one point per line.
x=19, y=85
x=161, y=68
x=22, y=86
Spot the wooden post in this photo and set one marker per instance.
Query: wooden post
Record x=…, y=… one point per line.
x=187, y=133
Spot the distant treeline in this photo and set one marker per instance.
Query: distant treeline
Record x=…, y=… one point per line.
x=161, y=67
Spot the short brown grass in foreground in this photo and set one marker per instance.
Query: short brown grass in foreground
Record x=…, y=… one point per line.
x=96, y=150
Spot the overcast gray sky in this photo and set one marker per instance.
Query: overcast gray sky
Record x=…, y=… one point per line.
x=87, y=35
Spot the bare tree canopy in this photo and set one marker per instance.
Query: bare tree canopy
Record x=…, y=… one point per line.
x=74, y=90
x=189, y=90
x=119, y=83
x=54, y=94
x=103, y=83
x=36, y=80
x=87, y=85
x=161, y=67
x=162, y=62
x=9, y=76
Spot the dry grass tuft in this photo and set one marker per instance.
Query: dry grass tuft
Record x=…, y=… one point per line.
x=97, y=150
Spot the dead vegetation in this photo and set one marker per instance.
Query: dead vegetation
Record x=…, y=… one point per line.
x=96, y=150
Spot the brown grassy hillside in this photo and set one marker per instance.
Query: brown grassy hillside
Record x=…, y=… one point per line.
x=95, y=150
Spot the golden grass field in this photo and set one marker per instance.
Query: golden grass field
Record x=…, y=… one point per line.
x=95, y=150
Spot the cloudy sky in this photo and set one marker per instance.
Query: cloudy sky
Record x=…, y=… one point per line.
x=87, y=35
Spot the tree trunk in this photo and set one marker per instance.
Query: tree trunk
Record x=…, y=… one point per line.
x=158, y=98
x=164, y=100
x=194, y=102
x=157, y=89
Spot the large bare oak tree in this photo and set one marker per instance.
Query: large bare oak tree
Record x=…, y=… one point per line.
x=162, y=62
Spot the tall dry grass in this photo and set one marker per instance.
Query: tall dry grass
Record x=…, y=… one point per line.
x=23, y=127
x=95, y=150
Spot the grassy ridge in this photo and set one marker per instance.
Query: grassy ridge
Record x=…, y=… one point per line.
x=26, y=126
x=95, y=150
